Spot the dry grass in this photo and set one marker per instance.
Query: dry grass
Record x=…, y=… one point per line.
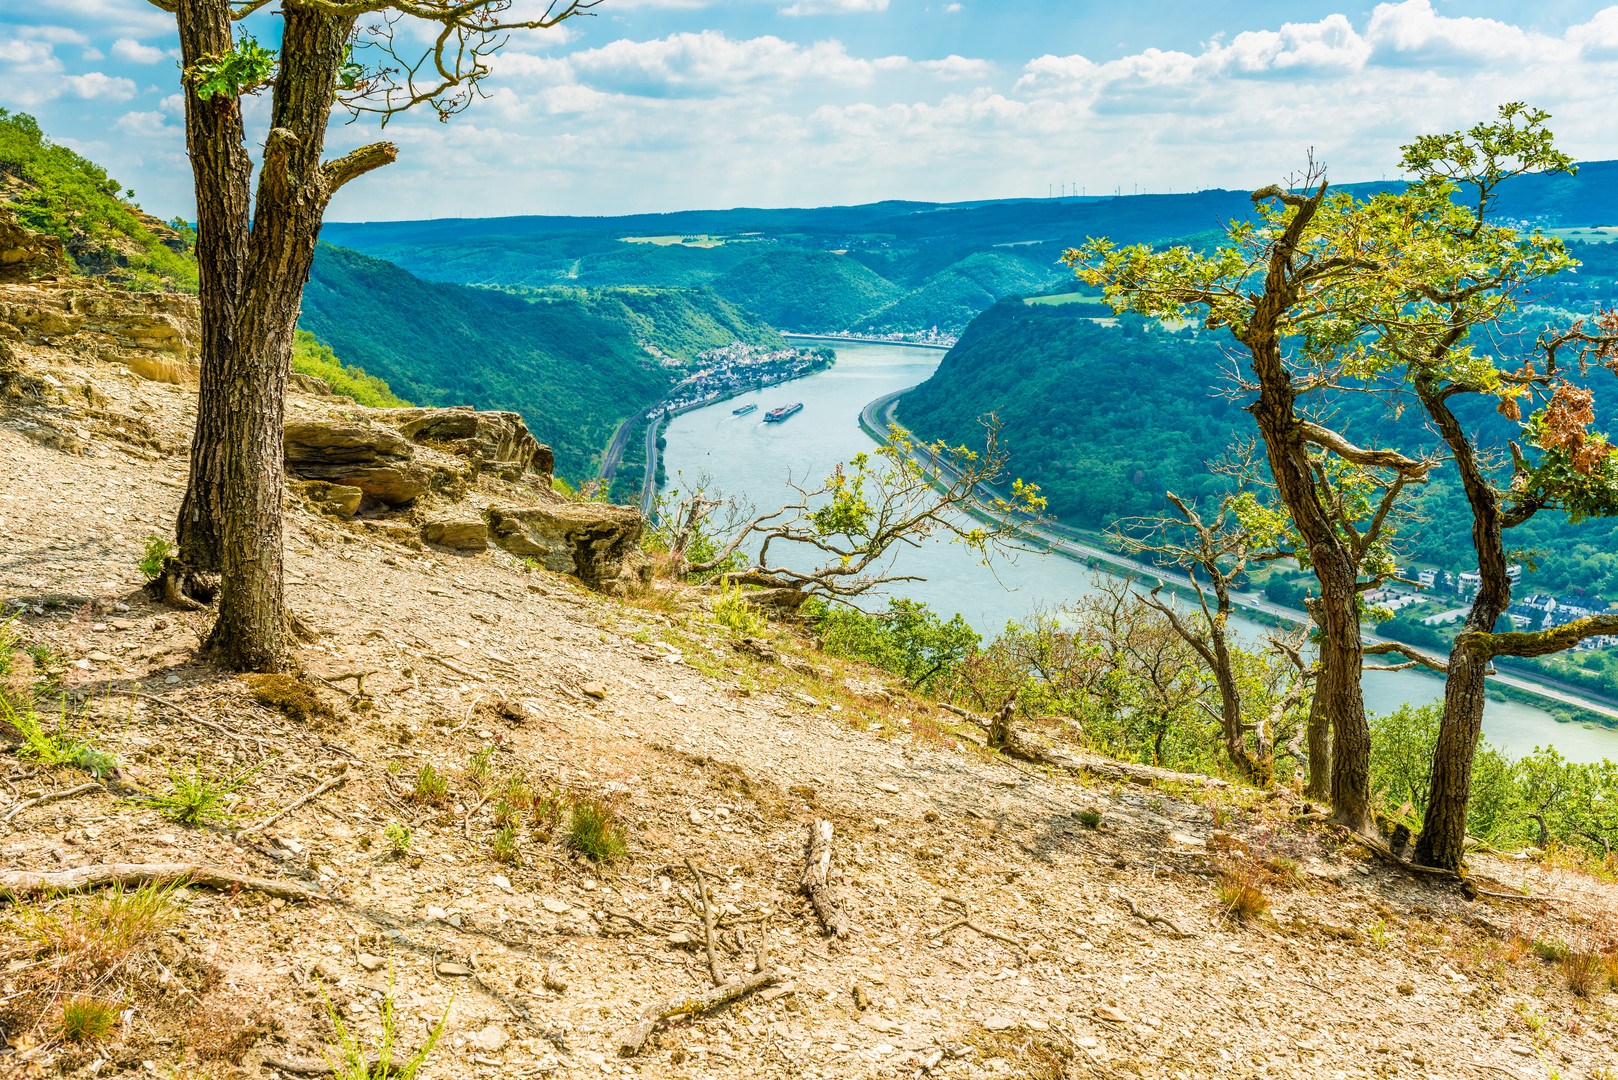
x=1585, y=972
x=94, y=935
x=1032, y=1054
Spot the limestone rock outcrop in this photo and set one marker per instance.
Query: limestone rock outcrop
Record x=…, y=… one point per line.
x=375, y=460
x=461, y=531
x=339, y=499
x=598, y=543
x=26, y=255
x=499, y=441
x=155, y=335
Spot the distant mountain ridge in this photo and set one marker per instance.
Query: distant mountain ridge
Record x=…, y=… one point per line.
x=884, y=267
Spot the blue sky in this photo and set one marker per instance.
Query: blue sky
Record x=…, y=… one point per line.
x=676, y=104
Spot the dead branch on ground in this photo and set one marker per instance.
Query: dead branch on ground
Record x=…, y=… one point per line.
x=34, y=882
x=814, y=881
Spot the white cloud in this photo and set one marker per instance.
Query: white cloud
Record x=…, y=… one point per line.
x=1413, y=33
x=96, y=86
x=958, y=67
x=133, y=51
x=145, y=125
x=710, y=63
x=834, y=7
x=1598, y=38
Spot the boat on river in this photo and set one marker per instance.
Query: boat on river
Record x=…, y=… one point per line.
x=744, y=410
x=775, y=416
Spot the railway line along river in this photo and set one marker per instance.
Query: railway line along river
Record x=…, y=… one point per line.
x=751, y=460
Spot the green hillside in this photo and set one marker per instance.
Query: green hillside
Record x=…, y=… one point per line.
x=1105, y=419
x=1102, y=418
x=572, y=361
x=56, y=191
x=953, y=297
x=680, y=322
x=807, y=291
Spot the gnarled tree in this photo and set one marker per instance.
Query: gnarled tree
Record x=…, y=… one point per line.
x=1285, y=288
x=254, y=255
x=837, y=540
x=1450, y=278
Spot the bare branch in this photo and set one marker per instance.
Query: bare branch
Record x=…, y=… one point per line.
x=356, y=163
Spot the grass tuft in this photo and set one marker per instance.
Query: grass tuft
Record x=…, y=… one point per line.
x=504, y=848
x=1090, y=819
x=95, y=934
x=593, y=829
x=197, y=797
x=87, y=1020
x=351, y=1059
x=430, y=787
x=1585, y=972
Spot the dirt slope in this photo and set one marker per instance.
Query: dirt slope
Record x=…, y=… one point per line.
x=710, y=754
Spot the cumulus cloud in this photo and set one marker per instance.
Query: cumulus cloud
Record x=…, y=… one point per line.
x=96, y=86
x=958, y=67
x=709, y=62
x=133, y=51
x=145, y=125
x=834, y=7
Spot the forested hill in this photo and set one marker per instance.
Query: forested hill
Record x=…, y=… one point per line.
x=1102, y=418
x=889, y=267
x=572, y=361
x=1106, y=418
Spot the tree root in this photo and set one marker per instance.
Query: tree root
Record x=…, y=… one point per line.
x=50, y=797
x=336, y=781
x=965, y=920
x=632, y=1039
x=1152, y=920
x=34, y=882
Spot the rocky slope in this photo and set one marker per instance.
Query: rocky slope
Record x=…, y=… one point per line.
x=1090, y=951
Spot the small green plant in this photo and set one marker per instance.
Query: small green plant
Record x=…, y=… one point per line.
x=504, y=848
x=593, y=829
x=430, y=786
x=516, y=790
x=1379, y=933
x=549, y=808
x=87, y=1020
x=734, y=613
x=64, y=746
x=504, y=813
x=477, y=766
x=530, y=564
x=155, y=556
x=1090, y=819
x=196, y=796
x=397, y=836
x=1549, y=950
x=351, y=1059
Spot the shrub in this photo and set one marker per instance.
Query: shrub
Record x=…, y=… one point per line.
x=593, y=829
x=154, y=557
x=734, y=613
x=87, y=1019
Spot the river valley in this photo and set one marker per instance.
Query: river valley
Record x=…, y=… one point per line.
x=753, y=461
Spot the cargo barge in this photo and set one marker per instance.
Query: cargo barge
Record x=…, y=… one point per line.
x=744, y=410
x=775, y=416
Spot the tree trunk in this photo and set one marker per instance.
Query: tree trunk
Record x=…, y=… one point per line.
x=1337, y=687
x=1443, y=831
x=1319, y=735
x=222, y=172
x=292, y=194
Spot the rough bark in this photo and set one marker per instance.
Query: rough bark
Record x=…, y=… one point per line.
x=815, y=880
x=222, y=170
x=1337, y=687
x=1442, y=842
x=293, y=191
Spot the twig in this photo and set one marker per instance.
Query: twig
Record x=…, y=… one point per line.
x=707, y=922
x=51, y=796
x=816, y=869
x=189, y=715
x=336, y=781
x=966, y=921
x=630, y=1042
x=1152, y=920
x=466, y=826
x=91, y=877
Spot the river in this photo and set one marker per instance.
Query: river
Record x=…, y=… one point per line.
x=753, y=460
